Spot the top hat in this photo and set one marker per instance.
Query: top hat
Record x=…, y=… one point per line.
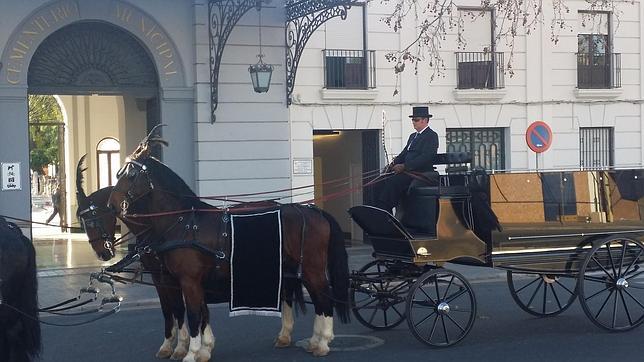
x=420, y=112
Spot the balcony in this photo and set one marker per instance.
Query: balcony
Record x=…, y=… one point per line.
x=480, y=70
x=349, y=69
x=599, y=71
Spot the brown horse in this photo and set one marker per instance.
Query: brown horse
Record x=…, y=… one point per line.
x=313, y=245
x=99, y=223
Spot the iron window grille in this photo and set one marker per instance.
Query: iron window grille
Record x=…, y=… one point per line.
x=480, y=70
x=486, y=145
x=349, y=69
x=596, y=147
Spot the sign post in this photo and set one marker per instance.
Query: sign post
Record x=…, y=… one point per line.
x=538, y=136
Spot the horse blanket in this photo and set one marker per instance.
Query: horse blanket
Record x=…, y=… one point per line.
x=256, y=264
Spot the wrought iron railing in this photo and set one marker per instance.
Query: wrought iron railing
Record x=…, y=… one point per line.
x=599, y=71
x=596, y=149
x=480, y=70
x=349, y=69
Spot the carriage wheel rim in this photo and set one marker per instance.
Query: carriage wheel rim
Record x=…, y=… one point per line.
x=440, y=310
x=544, y=296
x=616, y=279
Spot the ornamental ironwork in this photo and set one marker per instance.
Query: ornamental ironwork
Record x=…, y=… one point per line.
x=223, y=15
x=91, y=57
x=302, y=19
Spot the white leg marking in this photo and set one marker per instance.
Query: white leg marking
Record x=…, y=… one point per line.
x=284, y=338
x=195, y=346
x=182, y=344
x=326, y=336
x=315, y=339
x=207, y=344
x=165, y=351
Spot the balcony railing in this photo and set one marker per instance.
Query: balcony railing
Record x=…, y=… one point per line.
x=349, y=69
x=599, y=71
x=480, y=70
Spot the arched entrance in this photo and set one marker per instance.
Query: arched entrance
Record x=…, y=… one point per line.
x=117, y=73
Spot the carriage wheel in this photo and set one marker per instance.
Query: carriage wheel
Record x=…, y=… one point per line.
x=379, y=295
x=441, y=308
x=611, y=291
x=542, y=295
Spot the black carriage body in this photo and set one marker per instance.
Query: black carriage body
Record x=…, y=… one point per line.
x=546, y=220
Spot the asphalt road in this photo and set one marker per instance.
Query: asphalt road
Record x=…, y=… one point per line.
x=502, y=332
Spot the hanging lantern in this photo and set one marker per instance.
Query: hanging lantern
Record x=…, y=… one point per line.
x=260, y=73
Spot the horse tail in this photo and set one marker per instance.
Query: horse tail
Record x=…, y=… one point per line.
x=338, y=267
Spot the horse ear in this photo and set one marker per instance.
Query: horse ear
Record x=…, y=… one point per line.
x=80, y=193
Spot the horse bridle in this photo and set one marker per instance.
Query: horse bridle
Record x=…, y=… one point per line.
x=91, y=218
x=133, y=169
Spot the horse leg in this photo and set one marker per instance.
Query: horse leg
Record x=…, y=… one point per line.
x=194, y=297
x=165, y=298
x=207, y=338
x=284, y=338
x=183, y=342
x=323, y=323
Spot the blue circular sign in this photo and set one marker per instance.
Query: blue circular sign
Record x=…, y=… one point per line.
x=539, y=136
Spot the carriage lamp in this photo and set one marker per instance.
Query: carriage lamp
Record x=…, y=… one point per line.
x=261, y=72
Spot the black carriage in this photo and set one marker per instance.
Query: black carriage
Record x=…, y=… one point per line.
x=560, y=236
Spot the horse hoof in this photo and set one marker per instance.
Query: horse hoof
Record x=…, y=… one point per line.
x=311, y=347
x=203, y=356
x=283, y=342
x=164, y=353
x=320, y=352
x=179, y=354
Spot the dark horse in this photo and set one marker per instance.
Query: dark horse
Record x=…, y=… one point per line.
x=19, y=323
x=100, y=223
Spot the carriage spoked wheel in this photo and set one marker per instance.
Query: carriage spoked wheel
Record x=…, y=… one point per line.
x=379, y=295
x=611, y=288
x=542, y=295
x=441, y=308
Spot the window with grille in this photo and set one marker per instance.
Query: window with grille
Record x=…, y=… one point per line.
x=486, y=145
x=596, y=147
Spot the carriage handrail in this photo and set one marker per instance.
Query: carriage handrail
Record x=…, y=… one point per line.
x=626, y=166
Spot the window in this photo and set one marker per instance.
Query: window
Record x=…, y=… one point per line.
x=596, y=147
x=487, y=145
x=478, y=65
x=108, y=160
x=597, y=66
x=349, y=69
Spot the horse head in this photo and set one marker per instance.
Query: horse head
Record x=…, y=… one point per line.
x=99, y=221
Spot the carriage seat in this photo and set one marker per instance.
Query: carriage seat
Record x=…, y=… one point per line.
x=418, y=210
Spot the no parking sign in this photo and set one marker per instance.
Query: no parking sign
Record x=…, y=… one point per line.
x=538, y=136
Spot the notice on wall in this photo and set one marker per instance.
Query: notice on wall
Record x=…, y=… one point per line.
x=11, y=176
x=303, y=167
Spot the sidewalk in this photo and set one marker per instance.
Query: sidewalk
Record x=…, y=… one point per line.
x=59, y=282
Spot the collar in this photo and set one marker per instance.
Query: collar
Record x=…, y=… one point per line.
x=423, y=130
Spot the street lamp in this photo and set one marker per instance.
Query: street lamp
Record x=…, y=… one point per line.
x=260, y=73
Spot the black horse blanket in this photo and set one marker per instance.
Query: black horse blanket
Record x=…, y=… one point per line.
x=256, y=264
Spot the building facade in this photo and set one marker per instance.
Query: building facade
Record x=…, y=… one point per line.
x=120, y=67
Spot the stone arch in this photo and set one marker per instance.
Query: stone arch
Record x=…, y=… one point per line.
x=91, y=57
x=45, y=21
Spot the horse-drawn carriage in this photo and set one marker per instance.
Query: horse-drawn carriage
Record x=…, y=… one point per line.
x=560, y=235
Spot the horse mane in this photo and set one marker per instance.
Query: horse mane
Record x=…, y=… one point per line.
x=168, y=180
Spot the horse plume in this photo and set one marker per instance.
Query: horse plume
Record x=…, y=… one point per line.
x=80, y=193
x=143, y=150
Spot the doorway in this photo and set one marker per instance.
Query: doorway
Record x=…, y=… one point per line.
x=344, y=160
